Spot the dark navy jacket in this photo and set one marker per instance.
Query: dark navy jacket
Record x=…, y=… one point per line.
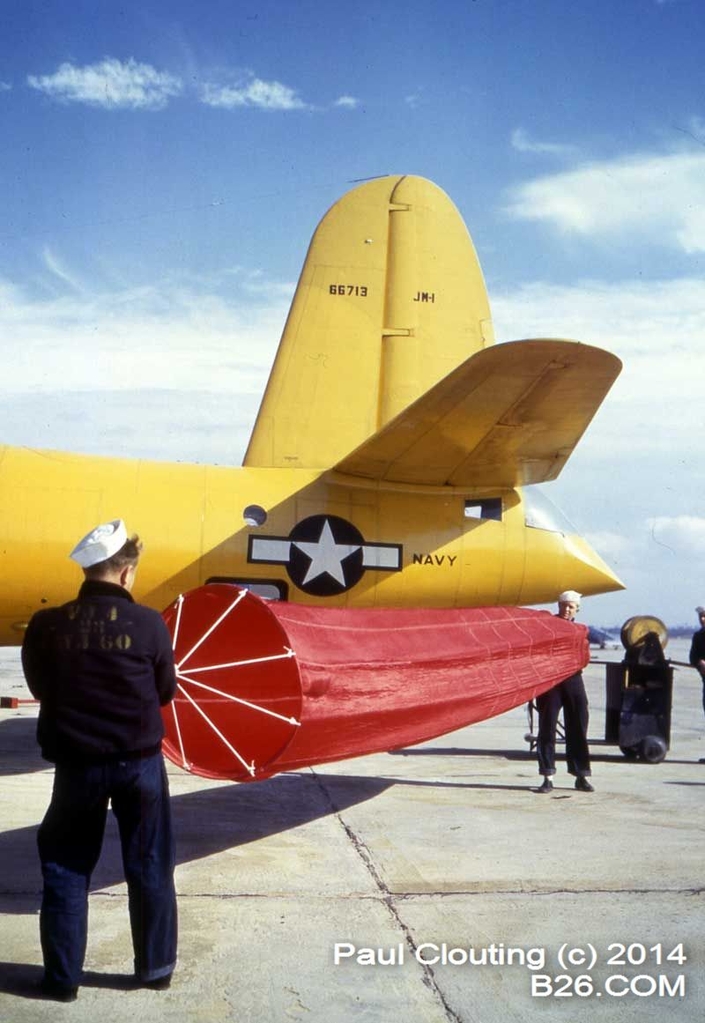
x=101, y=666
x=697, y=647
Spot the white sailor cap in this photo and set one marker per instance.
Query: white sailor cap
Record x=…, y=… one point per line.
x=569, y=597
x=100, y=544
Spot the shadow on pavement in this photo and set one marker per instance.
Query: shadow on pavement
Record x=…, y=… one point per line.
x=205, y=821
x=19, y=752
x=22, y=980
x=525, y=755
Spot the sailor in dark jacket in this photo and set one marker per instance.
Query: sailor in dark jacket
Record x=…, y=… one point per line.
x=570, y=696
x=697, y=648
x=102, y=667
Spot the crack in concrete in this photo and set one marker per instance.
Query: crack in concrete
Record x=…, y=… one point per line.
x=388, y=899
x=386, y=893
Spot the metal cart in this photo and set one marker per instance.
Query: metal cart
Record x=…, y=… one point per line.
x=639, y=692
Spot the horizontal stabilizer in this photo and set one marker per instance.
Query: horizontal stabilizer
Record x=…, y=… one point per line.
x=510, y=415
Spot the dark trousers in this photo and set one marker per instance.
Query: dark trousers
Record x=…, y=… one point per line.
x=70, y=839
x=570, y=696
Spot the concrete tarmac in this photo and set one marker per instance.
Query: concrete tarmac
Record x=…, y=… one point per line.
x=450, y=890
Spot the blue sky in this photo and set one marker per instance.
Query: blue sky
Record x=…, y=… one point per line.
x=165, y=164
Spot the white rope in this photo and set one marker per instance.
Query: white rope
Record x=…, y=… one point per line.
x=213, y=627
x=179, y=605
x=238, y=699
x=178, y=730
x=250, y=768
x=242, y=664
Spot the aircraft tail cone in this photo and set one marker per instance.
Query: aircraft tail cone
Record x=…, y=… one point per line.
x=267, y=687
x=586, y=571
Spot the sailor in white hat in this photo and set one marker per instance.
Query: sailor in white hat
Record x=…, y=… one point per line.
x=100, y=544
x=570, y=696
x=570, y=597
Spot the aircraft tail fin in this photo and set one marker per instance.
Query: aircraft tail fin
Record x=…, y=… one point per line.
x=390, y=300
x=509, y=416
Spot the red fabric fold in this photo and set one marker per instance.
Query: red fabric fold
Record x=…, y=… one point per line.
x=361, y=681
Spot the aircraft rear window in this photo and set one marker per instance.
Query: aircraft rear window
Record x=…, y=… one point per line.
x=541, y=513
x=488, y=508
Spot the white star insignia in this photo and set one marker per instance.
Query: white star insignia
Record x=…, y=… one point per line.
x=326, y=555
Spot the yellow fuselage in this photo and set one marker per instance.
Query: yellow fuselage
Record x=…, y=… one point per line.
x=192, y=521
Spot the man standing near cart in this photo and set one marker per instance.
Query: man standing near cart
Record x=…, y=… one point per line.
x=697, y=648
x=697, y=653
x=570, y=696
x=101, y=667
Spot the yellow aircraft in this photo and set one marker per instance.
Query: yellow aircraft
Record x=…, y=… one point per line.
x=388, y=462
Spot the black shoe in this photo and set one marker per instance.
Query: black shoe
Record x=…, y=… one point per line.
x=160, y=984
x=583, y=785
x=546, y=787
x=57, y=992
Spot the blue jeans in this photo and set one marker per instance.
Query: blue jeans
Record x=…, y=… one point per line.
x=70, y=839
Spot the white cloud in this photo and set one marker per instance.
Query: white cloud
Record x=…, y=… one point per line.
x=252, y=93
x=614, y=547
x=168, y=371
x=5, y=87
x=348, y=102
x=683, y=534
x=165, y=335
x=57, y=268
x=656, y=196
x=521, y=142
x=112, y=84
x=656, y=328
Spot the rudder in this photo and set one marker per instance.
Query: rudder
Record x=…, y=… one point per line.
x=391, y=298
